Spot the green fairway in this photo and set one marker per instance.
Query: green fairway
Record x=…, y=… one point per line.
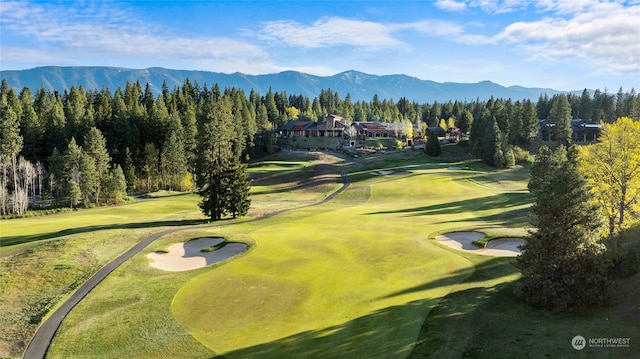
x=351, y=277
x=354, y=276
x=173, y=210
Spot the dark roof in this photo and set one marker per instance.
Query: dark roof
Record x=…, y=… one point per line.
x=298, y=125
x=370, y=126
x=578, y=125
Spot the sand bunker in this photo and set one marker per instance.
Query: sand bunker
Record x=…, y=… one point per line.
x=500, y=247
x=187, y=255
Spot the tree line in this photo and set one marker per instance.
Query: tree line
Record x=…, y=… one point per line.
x=585, y=198
x=75, y=148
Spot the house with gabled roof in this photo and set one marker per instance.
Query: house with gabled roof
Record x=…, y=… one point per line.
x=581, y=130
x=373, y=129
x=298, y=129
x=332, y=126
x=329, y=126
x=437, y=130
x=585, y=131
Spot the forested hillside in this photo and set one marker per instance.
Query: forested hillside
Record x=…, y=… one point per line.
x=360, y=85
x=87, y=147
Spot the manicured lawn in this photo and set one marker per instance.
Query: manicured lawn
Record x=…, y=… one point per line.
x=170, y=211
x=355, y=276
x=43, y=259
x=127, y=316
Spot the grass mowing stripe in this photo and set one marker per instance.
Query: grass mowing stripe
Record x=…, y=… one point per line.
x=343, y=272
x=354, y=282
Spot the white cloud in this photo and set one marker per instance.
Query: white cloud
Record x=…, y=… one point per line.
x=605, y=36
x=334, y=31
x=488, y=6
x=566, y=7
x=451, y=5
x=365, y=35
x=104, y=32
x=448, y=30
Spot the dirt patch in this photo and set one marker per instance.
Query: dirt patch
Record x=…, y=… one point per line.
x=499, y=247
x=188, y=255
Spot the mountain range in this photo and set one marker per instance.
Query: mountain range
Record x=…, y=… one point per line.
x=360, y=86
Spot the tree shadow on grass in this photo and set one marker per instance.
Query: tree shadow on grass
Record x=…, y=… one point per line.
x=498, y=201
x=376, y=335
x=389, y=332
x=490, y=269
x=449, y=330
x=13, y=240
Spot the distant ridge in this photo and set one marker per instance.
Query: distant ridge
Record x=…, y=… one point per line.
x=360, y=86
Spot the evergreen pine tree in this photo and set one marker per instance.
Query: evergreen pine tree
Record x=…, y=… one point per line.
x=129, y=170
x=95, y=147
x=115, y=186
x=173, y=161
x=10, y=143
x=217, y=163
x=563, y=264
x=238, y=189
x=432, y=147
x=560, y=116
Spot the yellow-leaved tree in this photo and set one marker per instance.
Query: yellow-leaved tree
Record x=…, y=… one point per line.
x=612, y=167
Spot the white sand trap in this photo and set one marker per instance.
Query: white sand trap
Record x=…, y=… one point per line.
x=187, y=255
x=499, y=247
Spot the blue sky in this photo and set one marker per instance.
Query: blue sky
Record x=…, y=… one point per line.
x=560, y=44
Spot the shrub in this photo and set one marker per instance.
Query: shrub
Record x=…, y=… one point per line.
x=521, y=156
x=509, y=159
x=574, y=282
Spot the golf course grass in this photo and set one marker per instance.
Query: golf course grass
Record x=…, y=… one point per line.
x=353, y=276
x=357, y=276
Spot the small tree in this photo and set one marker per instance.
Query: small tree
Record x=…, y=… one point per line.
x=129, y=170
x=563, y=264
x=115, y=186
x=432, y=147
x=73, y=192
x=150, y=165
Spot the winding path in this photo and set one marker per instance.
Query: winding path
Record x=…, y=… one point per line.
x=40, y=342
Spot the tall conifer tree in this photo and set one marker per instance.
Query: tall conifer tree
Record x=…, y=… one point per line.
x=216, y=161
x=563, y=264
